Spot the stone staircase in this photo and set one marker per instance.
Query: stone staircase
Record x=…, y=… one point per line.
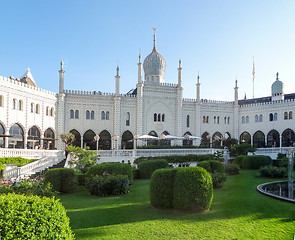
x=42, y=172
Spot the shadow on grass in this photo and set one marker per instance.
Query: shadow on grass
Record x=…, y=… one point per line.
x=237, y=199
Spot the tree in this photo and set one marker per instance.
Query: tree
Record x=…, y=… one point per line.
x=68, y=138
x=82, y=158
x=241, y=149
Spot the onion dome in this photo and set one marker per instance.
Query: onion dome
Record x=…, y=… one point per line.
x=154, y=66
x=277, y=87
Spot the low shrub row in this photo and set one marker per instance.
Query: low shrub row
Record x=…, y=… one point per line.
x=188, y=188
x=232, y=169
x=217, y=171
x=252, y=162
x=146, y=168
x=32, y=217
x=179, y=159
x=19, y=161
x=63, y=180
x=273, y=172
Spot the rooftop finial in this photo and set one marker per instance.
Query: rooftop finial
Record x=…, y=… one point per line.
x=139, y=56
x=62, y=65
x=117, y=70
x=198, y=77
x=179, y=63
x=277, y=76
x=155, y=49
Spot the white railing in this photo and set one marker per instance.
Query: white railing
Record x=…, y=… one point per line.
x=272, y=152
x=28, y=153
x=169, y=152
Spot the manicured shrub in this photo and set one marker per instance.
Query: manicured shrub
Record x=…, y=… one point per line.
x=135, y=173
x=256, y=161
x=161, y=188
x=146, y=168
x=205, y=165
x=217, y=171
x=232, y=169
x=112, y=169
x=273, y=172
x=108, y=185
x=31, y=217
x=281, y=162
x=81, y=178
x=193, y=189
x=63, y=180
x=19, y=161
x=281, y=155
x=239, y=159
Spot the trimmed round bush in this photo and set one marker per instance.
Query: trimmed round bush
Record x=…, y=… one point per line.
x=161, y=188
x=232, y=169
x=146, y=168
x=256, y=162
x=193, y=189
x=108, y=185
x=63, y=180
x=81, y=178
x=239, y=159
x=112, y=169
x=273, y=172
x=135, y=173
x=32, y=217
x=205, y=165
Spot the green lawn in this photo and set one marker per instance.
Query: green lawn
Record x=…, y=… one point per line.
x=238, y=212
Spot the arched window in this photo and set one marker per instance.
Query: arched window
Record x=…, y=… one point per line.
x=49, y=139
x=224, y=120
x=77, y=114
x=20, y=105
x=186, y=140
x=127, y=140
x=218, y=120
x=1, y=101
x=33, y=138
x=285, y=115
x=107, y=115
x=273, y=139
x=163, y=117
x=47, y=111
x=152, y=141
x=228, y=120
x=92, y=115
x=288, y=138
x=260, y=118
x=128, y=119
x=2, y=131
x=72, y=113
x=87, y=114
x=207, y=119
x=205, y=142
x=259, y=139
x=103, y=115
x=256, y=118
x=52, y=112
x=17, y=136
x=247, y=119
x=290, y=115
x=77, y=141
x=88, y=139
x=155, y=117
x=214, y=119
x=245, y=137
x=32, y=107
x=271, y=117
x=275, y=117
x=243, y=119
x=204, y=119
x=159, y=117
x=187, y=121
x=37, y=108
x=14, y=103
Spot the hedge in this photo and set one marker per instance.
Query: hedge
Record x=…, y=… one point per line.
x=193, y=189
x=178, y=158
x=31, y=217
x=146, y=168
x=256, y=161
x=108, y=185
x=110, y=168
x=63, y=180
x=19, y=161
x=81, y=178
x=161, y=188
x=232, y=169
x=273, y=172
x=239, y=159
x=135, y=173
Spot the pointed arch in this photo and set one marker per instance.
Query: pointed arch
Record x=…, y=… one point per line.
x=88, y=139
x=77, y=135
x=127, y=140
x=187, y=142
x=103, y=115
x=165, y=141
x=273, y=138
x=155, y=117
x=49, y=139
x=205, y=142
x=17, y=139
x=217, y=140
x=288, y=138
x=33, y=138
x=72, y=114
x=77, y=114
x=87, y=114
x=152, y=142
x=259, y=139
x=105, y=140
x=107, y=115
x=2, y=132
x=245, y=137
x=1, y=101
x=92, y=115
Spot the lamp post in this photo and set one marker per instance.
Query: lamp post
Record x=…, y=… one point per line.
x=136, y=137
x=209, y=138
x=290, y=173
x=96, y=138
x=116, y=138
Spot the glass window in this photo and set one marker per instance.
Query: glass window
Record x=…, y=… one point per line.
x=1, y=101
x=260, y=118
x=52, y=112
x=163, y=117
x=107, y=115
x=256, y=118
x=187, y=121
x=72, y=113
x=14, y=103
x=47, y=111
x=275, y=117
x=155, y=117
x=285, y=115
x=271, y=117
x=32, y=107
x=92, y=115
x=290, y=115
x=37, y=108
x=87, y=114
x=159, y=117
x=247, y=119
x=128, y=119
x=77, y=114
x=243, y=119
x=103, y=115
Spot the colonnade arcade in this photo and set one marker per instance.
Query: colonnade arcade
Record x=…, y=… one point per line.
x=272, y=139
x=17, y=137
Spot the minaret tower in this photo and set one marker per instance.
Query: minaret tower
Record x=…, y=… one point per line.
x=198, y=110
x=179, y=126
x=139, y=101
x=117, y=114
x=117, y=82
x=179, y=74
x=236, y=113
x=61, y=77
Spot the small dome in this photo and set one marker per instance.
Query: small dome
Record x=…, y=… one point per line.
x=154, y=66
x=277, y=87
x=28, y=78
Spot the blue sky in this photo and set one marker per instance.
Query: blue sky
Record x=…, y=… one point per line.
x=217, y=38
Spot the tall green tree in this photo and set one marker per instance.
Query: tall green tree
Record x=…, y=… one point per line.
x=68, y=138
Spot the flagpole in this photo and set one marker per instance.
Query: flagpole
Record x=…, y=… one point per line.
x=253, y=73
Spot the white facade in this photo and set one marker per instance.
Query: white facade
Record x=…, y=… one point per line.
x=154, y=108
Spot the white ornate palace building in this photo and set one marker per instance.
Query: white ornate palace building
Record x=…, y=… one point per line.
x=31, y=116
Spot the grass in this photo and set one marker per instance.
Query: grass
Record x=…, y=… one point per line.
x=238, y=212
